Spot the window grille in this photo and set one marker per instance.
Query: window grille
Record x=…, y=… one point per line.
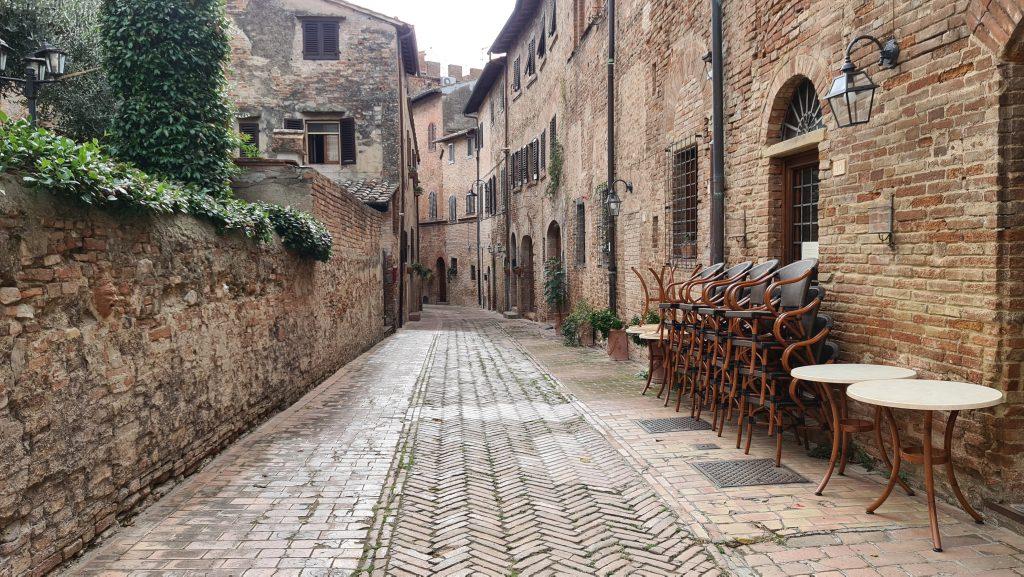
x=804, y=112
x=684, y=202
x=804, y=195
x=581, y=234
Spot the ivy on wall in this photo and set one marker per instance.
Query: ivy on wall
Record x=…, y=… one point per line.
x=165, y=63
x=85, y=174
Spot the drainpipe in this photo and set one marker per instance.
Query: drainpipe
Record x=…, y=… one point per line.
x=718, y=135
x=508, y=193
x=613, y=271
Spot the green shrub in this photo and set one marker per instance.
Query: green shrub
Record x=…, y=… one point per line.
x=555, y=292
x=85, y=174
x=577, y=319
x=165, y=62
x=604, y=321
x=555, y=168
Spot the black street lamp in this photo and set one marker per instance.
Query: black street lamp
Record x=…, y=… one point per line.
x=46, y=66
x=613, y=200
x=853, y=92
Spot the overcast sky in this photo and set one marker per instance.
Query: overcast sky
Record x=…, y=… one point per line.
x=451, y=31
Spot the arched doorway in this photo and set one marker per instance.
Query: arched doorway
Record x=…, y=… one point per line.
x=553, y=242
x=797, y=116
x=526, y=277
x=441, y=274
x=513, y=280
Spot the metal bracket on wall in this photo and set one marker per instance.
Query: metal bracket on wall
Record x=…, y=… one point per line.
x=882, y=221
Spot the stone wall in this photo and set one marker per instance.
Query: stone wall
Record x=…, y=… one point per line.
x=944, y=300
x=132, y=348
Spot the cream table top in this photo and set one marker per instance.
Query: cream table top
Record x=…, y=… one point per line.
x=652, y=337
x=846, y=374
x=925, y=395
x=641, y=329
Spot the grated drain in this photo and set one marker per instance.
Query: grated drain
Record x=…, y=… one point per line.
x=747, y=473
x=706, y=447
x=673, y=425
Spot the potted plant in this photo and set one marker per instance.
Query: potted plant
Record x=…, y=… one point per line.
x=555, y=289
x=612, y=330
x=576, y=329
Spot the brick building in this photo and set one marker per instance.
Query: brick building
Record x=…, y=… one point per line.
x=449, y=167
x=940, y=147
x=326, y=84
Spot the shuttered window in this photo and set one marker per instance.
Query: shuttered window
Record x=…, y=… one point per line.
x=581, y=233
x=544, y=151
x=293, y=124
x=320, y=39
x=524, y=161
x=542, y=45
x=516, y=73
x=531, y=61
x=348, y=141
x=535, y=160
x=554, y=17
x=251, y=128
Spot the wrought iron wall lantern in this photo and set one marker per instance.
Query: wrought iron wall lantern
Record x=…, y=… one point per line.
x=613, y=200
x=882, y=221
x=853, y=92
x=46, y=66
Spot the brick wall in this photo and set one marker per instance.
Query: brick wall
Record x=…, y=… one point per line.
x=133, y=348
x=945, y=300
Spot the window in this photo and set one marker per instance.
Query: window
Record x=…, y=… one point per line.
x=554, y=17
x=432, y=136
x=492, y=111
x=470, y=203
x=251, y=128
x=320, y=38
x=801, y=205
x=544, y=151
x=453, y=267
x=432, y=205
x=472, y=272
x=453, y=206
x=451, y=153
x=531, y=61
x=581, y=233
x=294, y=124
x=470, y=145
x=655, y=232
x=516, y=81
x=535, y=160
x=348, y=140
x=804, y=112
x=684, y=203
x=323, y=142
x=552, y=131
x=480, y=136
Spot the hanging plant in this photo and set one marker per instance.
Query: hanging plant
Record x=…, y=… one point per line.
x=555, y=169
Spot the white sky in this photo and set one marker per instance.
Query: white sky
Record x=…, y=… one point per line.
x=451, y=31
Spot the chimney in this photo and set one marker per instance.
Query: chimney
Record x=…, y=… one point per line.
x=455, y=71
x=474, y=73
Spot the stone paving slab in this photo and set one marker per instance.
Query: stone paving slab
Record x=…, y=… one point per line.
x=296, y=496
x=773, y=530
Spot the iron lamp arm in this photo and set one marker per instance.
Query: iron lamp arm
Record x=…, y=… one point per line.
x=888, y=53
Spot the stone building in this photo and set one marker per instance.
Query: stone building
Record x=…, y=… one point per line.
x=325, y=84
x=939, y=148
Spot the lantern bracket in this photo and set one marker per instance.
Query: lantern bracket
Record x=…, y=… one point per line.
x=889, y=53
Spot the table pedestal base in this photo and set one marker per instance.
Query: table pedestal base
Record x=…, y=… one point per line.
x=656, y=364
x=929, y=457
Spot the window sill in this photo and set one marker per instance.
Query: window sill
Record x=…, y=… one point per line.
x=531, y=81
x=516, y=95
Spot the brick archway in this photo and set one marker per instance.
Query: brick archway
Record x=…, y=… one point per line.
x=998, y=25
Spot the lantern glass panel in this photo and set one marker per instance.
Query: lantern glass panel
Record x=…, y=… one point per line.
x=851, y=98
x=37, y=65
x=4, y=50
x=54, y=57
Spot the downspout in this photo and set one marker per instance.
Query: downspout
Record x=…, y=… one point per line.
x=403, y=174
x=613, y=271
x=717, y=240
x=508, y=193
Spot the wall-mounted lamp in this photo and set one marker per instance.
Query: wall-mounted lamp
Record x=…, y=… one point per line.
x=882, y=221
x=613, y=200
x=853, y=92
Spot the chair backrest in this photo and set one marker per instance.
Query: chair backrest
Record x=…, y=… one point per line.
x=829, y=352
x=755, y=293
x=793, y=295
x=821, y=322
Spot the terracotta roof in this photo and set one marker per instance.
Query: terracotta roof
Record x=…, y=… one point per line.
x=521, y=16
x=456, y=135
x=490, y=75
x=371, y=191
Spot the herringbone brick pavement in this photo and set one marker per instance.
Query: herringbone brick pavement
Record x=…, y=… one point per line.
x=504, y=476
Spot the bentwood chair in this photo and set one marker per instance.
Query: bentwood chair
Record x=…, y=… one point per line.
x=678, y=310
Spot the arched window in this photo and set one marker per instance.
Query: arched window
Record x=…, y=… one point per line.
x=804, y=112
x=453, y=206
x=432, y=136
x=432, y=205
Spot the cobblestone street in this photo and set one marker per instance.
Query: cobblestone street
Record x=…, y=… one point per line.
x=471, y=445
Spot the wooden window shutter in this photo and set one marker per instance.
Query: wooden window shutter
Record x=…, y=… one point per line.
x=535, y=145
x=544, y=151
x=348, y=140
x=294, y=124
x=554, y=16
x=251, y=128
x=330, y=38
x=524, y=160
x=311, y=39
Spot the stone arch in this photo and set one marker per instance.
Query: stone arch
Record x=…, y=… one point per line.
x=553, y=241
x=787, y=78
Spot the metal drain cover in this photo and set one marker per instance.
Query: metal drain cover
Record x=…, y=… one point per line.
x=1018, y=508
x=673, y=425
x=706, y=446
x=747, y=473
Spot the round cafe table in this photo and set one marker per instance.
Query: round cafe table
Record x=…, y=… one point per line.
x=641, y=329
x=656, y=355
x=928, y=397
x=835, y=378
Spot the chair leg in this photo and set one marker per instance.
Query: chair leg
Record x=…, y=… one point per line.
x=739, y=421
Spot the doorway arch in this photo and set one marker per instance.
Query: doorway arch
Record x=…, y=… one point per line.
x=513, y=278
x=526, y=277
x=441, y=273
x=553, y=242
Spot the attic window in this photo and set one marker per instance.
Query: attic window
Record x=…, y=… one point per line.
x=320, y=38
x=293, y=124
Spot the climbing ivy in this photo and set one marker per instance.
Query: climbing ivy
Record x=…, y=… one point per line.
x=85, y=174
x=555, y=168
x=165, y=62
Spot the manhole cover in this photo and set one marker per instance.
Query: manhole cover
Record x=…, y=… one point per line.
x=673, y=425
x=706, y=447
x=1018, y=508
x=747, y=473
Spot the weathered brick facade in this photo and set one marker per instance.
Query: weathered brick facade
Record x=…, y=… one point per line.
x=132, y=349
x=944, y=299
